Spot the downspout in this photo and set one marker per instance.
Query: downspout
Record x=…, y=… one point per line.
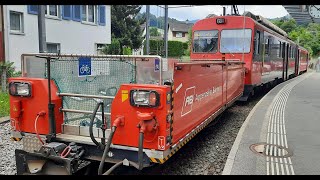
x=3, y=57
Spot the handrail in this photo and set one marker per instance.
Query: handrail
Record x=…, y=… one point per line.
x=85, y=95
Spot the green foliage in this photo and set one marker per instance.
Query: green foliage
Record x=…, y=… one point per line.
x=4, y=104
x=189, y=37
x=175, y=48
x=306, y=35
x=125, y=26
x=185, y=45
x=288, y=26
x=154, y=31
x=8, y=69
x=113, y=48
x=127, y=51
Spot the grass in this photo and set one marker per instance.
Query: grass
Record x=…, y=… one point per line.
x=4, y=104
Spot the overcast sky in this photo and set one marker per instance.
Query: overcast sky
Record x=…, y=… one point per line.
x=199, y=12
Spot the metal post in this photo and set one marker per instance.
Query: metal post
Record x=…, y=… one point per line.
x=231, y=10
x=147, y=29
x=52, y=123
x=42, y=28
x=166, y=30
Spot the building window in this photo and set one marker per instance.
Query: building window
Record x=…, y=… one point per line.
x=53, y=10
x=99, y=48
x=16, y=22
x=89, y=13
x=53, y=47
x=178, y=34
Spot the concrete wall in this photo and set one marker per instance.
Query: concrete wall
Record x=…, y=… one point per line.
x=74, y=37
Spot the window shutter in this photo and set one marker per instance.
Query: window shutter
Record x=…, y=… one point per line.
x=67, y=12
x=76, y=13
x=33, y=9
x=102, y=15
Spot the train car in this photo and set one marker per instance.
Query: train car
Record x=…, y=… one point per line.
x=72, y=110
x=303, y=57
x=269, y=55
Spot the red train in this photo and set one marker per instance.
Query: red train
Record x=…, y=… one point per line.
x=269, y=55
x=72, y=110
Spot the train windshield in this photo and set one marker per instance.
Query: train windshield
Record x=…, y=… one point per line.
x=205, y=41
x=235, y=41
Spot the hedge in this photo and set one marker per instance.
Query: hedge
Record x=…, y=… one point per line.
x=175, y=48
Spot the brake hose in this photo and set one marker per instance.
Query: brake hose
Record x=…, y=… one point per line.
x=140, y=151
x=106, y=150
x=91, y=125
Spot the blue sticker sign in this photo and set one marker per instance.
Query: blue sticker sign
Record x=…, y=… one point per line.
x=84, y=66
x=156, y=65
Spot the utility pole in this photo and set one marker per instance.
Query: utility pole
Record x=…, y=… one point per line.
x=42, y=29
x=231, y=10
x=166, y=30
x=147, y=29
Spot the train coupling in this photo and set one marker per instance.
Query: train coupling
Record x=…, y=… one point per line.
x=52, y=159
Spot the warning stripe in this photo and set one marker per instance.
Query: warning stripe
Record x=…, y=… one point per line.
x=15, y=139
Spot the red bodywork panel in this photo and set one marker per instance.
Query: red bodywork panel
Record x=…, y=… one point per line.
x=200, y=90
x=31, y=106
x=128, y=134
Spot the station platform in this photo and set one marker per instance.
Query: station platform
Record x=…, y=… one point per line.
x=281, y=135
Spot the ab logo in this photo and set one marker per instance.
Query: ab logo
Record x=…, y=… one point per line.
x=188, y=100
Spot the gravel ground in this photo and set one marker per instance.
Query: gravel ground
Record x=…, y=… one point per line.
x=7, y=147
x=205, y=154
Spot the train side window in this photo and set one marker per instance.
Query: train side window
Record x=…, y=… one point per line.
x=257, y=43
x=280, y=49
x=266, y=45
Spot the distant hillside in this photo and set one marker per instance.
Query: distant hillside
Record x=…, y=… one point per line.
x=159, y=21
x=286, y=17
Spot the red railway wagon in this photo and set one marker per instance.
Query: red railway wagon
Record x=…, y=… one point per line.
x=269, y=55
x=71, y=110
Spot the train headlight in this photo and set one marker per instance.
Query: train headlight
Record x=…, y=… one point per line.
x=144, y=98
x=22, y=89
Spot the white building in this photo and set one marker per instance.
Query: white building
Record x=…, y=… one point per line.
x=81, y=29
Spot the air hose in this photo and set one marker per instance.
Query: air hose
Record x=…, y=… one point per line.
x=140, y=151
x=106, y=150
x=91, y=125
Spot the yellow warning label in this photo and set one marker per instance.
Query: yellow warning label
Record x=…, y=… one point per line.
x=15, y=108
x=124, y=95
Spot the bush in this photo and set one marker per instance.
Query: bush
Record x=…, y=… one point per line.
x=185, y=45
x=127, y=51
x=175, y=48
x=113, y=48
x=9, y=70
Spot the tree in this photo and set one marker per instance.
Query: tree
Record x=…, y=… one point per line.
x=189, y=36
x=288, y=26
x=125, y=26
x=154, y=31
